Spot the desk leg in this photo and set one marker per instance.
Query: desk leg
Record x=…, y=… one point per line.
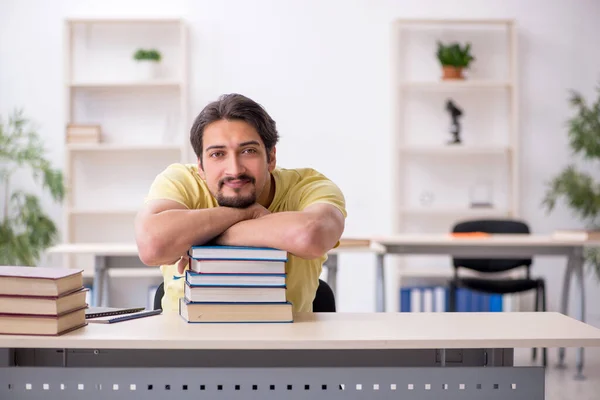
x=564, y=305
x=380, y=284
x=332, y=266
x=99, y=272
x=578, y=262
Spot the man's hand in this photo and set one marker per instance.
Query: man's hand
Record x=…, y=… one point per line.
x=182, y=263
x=257, y=211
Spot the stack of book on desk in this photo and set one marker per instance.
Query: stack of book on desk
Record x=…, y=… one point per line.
x=235, y=284
x=41, y=301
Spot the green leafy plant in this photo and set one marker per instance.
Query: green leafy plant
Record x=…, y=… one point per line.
x=453, y=55
x=25, y=230
x=149, y=55
x=578, y=189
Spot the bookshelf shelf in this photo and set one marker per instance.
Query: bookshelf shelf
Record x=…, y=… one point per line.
x=454, y=212
x=91, y=211
x=437, y=150
x=81, y=147
x=126, y=84
x=453, y=85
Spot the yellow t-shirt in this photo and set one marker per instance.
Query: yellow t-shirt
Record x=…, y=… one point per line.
x=295, y=189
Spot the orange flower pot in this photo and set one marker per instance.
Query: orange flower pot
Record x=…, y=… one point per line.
x=452, y=72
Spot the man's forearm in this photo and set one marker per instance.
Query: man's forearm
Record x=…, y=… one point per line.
x=291, y=231
x=169, y=234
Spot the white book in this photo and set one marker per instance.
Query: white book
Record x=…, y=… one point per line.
x=439, y=295
x=415, y=300
x=237, y=253
x=194, y=278
x=427, y=300
x=237, y=267
x=229, y=294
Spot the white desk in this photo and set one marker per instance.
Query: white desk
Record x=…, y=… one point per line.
x=332, y=355
x=103, y=251
x=495, y=246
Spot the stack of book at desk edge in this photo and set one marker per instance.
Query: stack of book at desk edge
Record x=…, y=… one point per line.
x=233, y=284
x=41, y=301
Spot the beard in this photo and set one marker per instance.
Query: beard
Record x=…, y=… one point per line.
x=238, y=201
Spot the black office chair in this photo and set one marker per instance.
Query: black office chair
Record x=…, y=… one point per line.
x=494, y=265
x=324, y=300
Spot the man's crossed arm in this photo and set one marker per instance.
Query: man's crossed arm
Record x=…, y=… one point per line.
x=165, y=230
x=307, y=234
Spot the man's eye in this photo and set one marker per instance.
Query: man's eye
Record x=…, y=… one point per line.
x=216, y=154
x=251, y=151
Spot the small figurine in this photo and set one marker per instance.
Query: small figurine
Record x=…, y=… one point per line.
x=455, y=112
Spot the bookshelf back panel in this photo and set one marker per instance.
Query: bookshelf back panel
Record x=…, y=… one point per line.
x=484, y=120
x=141, y=115
x=452, y=185
x=121, y=180
x=104, y=51
x=104, y=229
x=488, y=45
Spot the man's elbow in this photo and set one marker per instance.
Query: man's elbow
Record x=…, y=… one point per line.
x=151, y=249
x=314, y=241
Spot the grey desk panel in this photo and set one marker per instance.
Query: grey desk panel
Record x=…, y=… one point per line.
x=469, y=383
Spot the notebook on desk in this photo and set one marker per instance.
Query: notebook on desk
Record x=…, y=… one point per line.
x=110, y=319
x=97, y=312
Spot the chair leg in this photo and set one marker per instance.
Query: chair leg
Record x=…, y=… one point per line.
x=544, y=350
x=537, y=308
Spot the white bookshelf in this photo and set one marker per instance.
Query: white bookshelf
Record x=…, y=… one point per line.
x=433, y=181
x=144, y=124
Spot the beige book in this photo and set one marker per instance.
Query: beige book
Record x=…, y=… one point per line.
x=43, y=305
x=42, y=324
x=38, y=281
x=235, y=312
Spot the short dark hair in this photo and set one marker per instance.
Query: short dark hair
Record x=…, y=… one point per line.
x=235, y=107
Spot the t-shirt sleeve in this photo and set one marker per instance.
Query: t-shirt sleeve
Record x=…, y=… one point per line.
x=174, y=183
x=319, y=189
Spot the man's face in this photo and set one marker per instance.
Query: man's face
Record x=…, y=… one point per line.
x=234, y=163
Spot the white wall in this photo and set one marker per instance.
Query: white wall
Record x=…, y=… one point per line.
x=322, y=69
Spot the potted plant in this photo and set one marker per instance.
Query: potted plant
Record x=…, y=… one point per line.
x=25, y=229
x=147, y=62
x=578, y=189
x=454, y=59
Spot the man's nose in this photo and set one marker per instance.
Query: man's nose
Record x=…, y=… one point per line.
x=235, y=167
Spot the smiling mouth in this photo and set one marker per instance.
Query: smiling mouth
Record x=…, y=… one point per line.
x=237, y=183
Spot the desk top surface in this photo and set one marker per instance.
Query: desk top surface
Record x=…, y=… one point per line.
x=331, y=331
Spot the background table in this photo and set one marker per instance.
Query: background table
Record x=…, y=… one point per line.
x=494, y=246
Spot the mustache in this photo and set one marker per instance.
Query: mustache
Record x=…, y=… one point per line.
x=235, y=178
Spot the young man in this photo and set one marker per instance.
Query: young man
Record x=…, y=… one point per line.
x=236, y=195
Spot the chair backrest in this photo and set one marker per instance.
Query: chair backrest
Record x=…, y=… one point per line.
x=491, y=265
x=324, y=299
x=160, y=292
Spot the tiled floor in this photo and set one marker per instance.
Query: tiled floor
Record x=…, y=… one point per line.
x=560, y=383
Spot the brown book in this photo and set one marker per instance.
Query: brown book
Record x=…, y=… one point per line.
x=43, y=305
x=38, y=281
x=52, y=325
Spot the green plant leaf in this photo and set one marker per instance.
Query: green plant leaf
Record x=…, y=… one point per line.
x=25, y=229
